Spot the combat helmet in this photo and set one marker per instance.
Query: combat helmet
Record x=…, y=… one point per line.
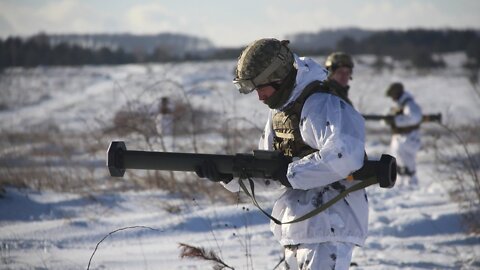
x=263, y=62
x=338, y=59
x=395, y=90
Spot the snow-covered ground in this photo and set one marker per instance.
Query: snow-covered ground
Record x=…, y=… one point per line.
x=418, y=228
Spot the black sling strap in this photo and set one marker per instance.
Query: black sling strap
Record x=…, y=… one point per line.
x=318, y=210
x=294, y=107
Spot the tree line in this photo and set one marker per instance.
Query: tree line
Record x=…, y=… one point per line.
x=37, y=51
x=416, y=45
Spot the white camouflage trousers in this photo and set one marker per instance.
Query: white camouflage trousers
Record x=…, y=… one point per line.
x=319, y=256
x=404, y=148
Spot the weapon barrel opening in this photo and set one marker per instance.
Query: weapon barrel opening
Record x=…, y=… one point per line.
x=387, y=171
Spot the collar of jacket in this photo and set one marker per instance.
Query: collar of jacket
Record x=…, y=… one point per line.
x=338, y=90
x=403, y=98
x=307, y=71
x=343, y=90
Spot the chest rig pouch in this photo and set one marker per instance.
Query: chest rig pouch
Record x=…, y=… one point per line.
x=286, y=124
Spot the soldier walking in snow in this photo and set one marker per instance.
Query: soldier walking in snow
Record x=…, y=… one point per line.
x=322, y=137
x=340, y=68
x=404, y=121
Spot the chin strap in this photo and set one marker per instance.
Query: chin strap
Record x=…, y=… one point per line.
x=362, y=184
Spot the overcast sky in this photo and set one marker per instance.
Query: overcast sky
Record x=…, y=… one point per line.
x=230, y=23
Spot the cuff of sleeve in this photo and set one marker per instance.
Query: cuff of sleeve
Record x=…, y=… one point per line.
x=232, y=186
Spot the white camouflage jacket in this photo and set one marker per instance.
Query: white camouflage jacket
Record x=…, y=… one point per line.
x=412, y=113
x=337, y=130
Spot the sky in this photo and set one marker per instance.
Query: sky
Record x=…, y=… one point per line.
x=230, y=23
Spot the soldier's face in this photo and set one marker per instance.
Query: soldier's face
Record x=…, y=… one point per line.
x=264, y=92
x=342, y=75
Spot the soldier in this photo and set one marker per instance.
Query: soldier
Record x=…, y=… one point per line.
x=164, y=119
x=165, y=122
x=322, y=137
x=405, y=121
x=340, y=68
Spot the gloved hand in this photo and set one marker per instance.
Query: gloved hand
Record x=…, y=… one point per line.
x=208, y=170
x=280, y=174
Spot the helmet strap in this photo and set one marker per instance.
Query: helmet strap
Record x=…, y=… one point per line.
x=279, y=60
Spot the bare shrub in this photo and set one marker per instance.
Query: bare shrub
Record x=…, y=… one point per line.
x=457, y=154
x=126, y=122
x=137, y=122
x=189, y=251
x=240, y=135
x=51, y=159
x=48, y=157
x=141, y=120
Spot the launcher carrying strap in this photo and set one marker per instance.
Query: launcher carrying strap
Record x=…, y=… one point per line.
x=316, y=211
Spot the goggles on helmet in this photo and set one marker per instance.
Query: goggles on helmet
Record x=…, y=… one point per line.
x=246, y=86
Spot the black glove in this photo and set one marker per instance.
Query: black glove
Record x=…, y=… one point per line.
x=280, y=174
x=208, y=170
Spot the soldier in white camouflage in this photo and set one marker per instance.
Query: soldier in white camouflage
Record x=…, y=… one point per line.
x=405, y=120
x=340, y=68
x=323, y=137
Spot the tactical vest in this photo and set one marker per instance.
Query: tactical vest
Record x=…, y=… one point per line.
x=407, y=129
x=286, y=124
x=288, y=139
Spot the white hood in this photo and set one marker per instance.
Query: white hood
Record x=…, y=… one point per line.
x=307, y=71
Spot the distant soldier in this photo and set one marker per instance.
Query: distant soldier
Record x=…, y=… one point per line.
x=405, y=121
x=164, y=119
x=340, y=70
